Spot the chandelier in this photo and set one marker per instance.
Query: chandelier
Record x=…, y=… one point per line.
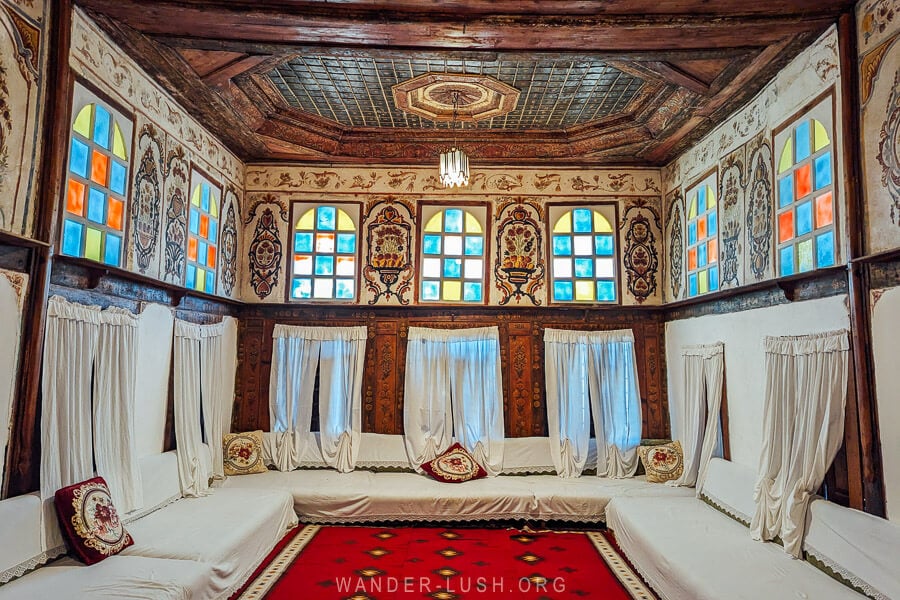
x=454, y=162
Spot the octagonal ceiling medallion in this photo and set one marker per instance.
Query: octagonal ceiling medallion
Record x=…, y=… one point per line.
x=430, y=96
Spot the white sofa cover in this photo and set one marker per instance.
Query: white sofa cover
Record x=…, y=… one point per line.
x=20, y=519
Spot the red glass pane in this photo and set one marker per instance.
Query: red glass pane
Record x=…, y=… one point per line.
x=192, y=248
x=114, y=213
x=712, y=250
x=692, y=259
x=75, y=198
x=99, y=168
x=785, y=226
x=701, y=228
x=824, y=210
x=211, y=257
x=803, y=181
x=204, y=227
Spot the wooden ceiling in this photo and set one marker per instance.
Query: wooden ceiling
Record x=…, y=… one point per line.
x=600, y=82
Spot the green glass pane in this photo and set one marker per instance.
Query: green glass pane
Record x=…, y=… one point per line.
x=92, y=244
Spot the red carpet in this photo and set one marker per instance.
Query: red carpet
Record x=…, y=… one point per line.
x=445, y=564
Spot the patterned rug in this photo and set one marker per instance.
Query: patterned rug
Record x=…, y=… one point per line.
x=361, y=563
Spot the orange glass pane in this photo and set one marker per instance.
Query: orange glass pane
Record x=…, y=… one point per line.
x=99, y=168
x=114, y=213
x=785, y=226
x=204, y=227
x=701, y=228
x=75, y=198
x=803, y=179
x=712, y=250
x=192, y=248
x=824, y=210
x=692, y=259
x=211, y=256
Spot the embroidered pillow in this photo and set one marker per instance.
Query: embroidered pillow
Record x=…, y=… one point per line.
x=89, y=521
x=242, y=453
x=455, y=465
x=663, y=462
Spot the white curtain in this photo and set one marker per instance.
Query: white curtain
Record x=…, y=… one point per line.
x=454, y=386
x=216, y=399
x=188, y=432
x=296, y=353
x=698, y=409
x=806, y=390
x=592, y=372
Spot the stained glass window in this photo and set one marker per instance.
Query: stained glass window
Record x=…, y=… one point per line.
x=203, y=235
x=325, y=250
x=452, y=265
x=702, y=238
x=583, y=254
x=96, y=185
x=805, y=206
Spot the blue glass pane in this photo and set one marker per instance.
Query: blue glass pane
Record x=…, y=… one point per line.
x=204, y=197
x=303, y=242
x=453, y=220
x=452, y=267
x=701, y=255
x=432, y=244
x=713, y=279
x=582, y=221
x=326, y=217
x=606, y=291
x=474, y=245
x=78, y=159
x=825, y=249
x=302, y=288
x=194, y=222
x=101, y=127
x=472, y=291
x=823, y=171
x=603, y=245
x=346, y=243
x=802, y=142
x=117, y=178
x=562, y=245
x=562, y=291
x=787, y=261
x=96, y=211
x=584, y=267
x=804, y=218
x=785, y=190
x=712, y=224
x=324, y=265
x=213, y=228
x=113, y=249
x=344, y=289
x=72, y=233
x=202, y=249
x=692, y=233
x=701, y=200
x=692, y=284
x=210, y=282
x=431, y=290
x=191, y=278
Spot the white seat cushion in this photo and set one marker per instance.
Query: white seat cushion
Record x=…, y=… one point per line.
x=20, y=520
x=729, y=486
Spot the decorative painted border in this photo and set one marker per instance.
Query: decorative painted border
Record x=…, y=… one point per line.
x=274, y=570
x=633, y=584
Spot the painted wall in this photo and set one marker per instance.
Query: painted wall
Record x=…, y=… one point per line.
x=13, y=286
x=23, y=69
x=886, y=347
x=743, y=333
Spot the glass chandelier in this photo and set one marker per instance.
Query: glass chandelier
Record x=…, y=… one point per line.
x=454, y=162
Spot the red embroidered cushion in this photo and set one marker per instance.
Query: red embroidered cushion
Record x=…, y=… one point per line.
x=89, y=521
x=455, y=465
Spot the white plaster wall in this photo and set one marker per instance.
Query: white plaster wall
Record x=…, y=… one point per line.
x=743, y=334
x=10, y=334
x=886, y=347
x=155, y=328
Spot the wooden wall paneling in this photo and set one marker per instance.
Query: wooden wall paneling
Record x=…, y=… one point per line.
x=382, y=410
x=246, y=395
x=520, y=418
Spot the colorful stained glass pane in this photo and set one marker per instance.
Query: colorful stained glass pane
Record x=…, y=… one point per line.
x=195, y=197
x=804, y=218
x=564, y=224
x=451, y=291
x=96, y=211
x=701, y=228
x=72, y=233
x=325, y=218
x=204, y=197
x=472, y=224
x=307, y=221
x=824, y=210
x=452, y=267
x=584, y=291
x=562, y=245
x=453, y=222
x=101, y=126
x=213, y=206
x=692, y=284
x=194, y=221
x=200, y=283
x=204, y=226
x=601, y=223
x=434, y=224
x=82, y=124
x=115, y=214
x=192, y=248
x=78, y=158
x=431, y=290
x=825, y=249
x=712, y=224
x=584, y=267
x=605, y=268
x=805, y=256
x=431, y=267
x=92, y=243
x=584, y=245
x=99, y=168
x=202, y=251
x=75, y=198
x=803, y=141
x=692, y=259
x=213, y=228
x=786, y=261
x=803, y=181
x=562, y=291
x=606, y=291
x=474, y=268
x=324, y=265
x=785, y=226
x=346, y=243
x=119, y=143
x=474, y=245
x=210, y=282
x=343, y=289
x=302, y=289
x=692, y=233
x=787, y=157
x=211, y=256
x=325, y=242
x=823, y=170
x=323, y=288
x=117, y=176
x=785, y=190
x=472, y=291
x=703, y=281
x=603, y=245
x=345, y=223
x=701, y=255
x=712, y=253
x=692, y=211
x=562, y=267
x=821, y=136
x=346, y=266
x=113, y=249
x=701, y=200
x=453, y=245
x=710, y=197
x=582, y=222
x=303, y=265
x=431, y=244
x=713, y=279
x=190, y=279
x=303, y=242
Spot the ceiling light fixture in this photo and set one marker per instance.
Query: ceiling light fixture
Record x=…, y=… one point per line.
x=454, y=162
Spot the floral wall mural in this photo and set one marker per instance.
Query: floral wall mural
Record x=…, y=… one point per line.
x=519, y=259
x=731, y=198
x=388, y=270
x=146, y=200
x=267, y=218
x=228, y=242
x=675, y=245
x=642, y=228
x=175, y=218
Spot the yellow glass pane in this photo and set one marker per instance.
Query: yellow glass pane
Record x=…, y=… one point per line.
x=82, y=124
x=200, y=282
x=307, y=221
x=345, y=223
x=601, y=224
x=92, y=243
x=452, y=290
x=703, y=276
x=195, y=197
x=119, y=142
x=213, y=205
x=787, y=157
x=434, y=223
x=584, y=291
x=710, y=197
x=820, y=136
x=692, y=212
x=472, y=224
x=564, y=225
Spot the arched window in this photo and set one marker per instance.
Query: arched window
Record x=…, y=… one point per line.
x=583, y=250
x=702, y=237
x=805, y=206
x=203, y=235
x=452, y=257
x=96, y=185
x=325, y=252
